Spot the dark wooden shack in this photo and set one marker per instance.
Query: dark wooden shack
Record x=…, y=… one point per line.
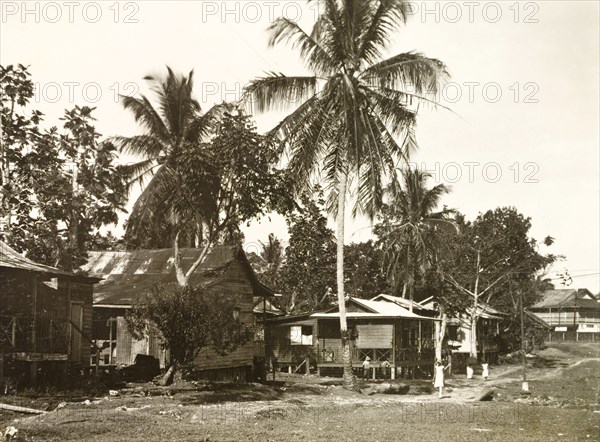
x=126, y=275
x=381, y=330
x=45, y=319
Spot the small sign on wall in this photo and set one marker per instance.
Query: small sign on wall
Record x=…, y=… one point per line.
x=560, y=329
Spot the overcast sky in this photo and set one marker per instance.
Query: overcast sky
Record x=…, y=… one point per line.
x=524, y=92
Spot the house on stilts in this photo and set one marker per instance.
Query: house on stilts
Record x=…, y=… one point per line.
x=45, y=321
x=380, y=329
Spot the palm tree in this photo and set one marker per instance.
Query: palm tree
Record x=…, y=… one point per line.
x=410, y=232
x=413, y=236
x=161, y=215
x=272, y=258
x=351, y=111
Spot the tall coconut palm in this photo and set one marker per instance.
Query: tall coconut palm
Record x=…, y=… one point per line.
x=354, y=115
x=410, y=235
x=173, y=124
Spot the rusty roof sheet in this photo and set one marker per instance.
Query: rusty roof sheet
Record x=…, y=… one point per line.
x=127, y=274
x=11, y=259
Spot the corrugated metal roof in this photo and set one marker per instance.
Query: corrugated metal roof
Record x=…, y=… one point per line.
x=375, y=309
x=565, y=298
x=10, y=258
x=401, y=302
x=483, y=309
x=127, y=274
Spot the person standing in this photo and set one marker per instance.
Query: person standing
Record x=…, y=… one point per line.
x=485, y=370
x=438, y=377
x=470, y=363
x=384, y=366
x=366, y=367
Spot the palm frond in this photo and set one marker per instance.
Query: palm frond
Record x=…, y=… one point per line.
x=138, y=172
x=284, y=30
x=386, y=16
x=278, y=92
x=145, y=114
x=203, y=125
x=410, y=70
x=146, y=146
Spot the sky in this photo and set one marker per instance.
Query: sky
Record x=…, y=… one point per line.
x=523, y=129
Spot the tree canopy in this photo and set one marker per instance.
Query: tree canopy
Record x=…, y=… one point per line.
x=58, y=187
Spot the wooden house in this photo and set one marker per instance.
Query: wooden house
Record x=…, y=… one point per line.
x=45, y=319
x=458, y=334
x=573, y=314
x=126, y=275
x=381, y=330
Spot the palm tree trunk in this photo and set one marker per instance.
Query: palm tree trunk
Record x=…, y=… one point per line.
x=440, y=333
x=349, y=379
x=474, y=314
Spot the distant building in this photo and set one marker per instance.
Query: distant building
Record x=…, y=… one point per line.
x=127, y=275
x=45, y=320
x=573, y=314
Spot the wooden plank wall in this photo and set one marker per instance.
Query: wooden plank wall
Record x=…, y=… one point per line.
x=282, y=349
x=83, y=293
x=236, y=285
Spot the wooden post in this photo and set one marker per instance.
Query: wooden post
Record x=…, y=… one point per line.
x=33, y=373
x=289, y=369
x=110, y=340
x=14, y=332
x=97, y=359
x=34, y=322
x=420, y=337
x=307, y=366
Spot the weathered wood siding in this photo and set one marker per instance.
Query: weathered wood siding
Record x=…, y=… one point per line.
x=281, y=346
x=38, y=304
x=235, y=284
x=83, y=293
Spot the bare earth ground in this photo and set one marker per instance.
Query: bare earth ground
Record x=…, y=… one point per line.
x=564, y=381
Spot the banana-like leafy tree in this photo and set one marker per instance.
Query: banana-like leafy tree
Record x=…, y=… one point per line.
x=354, y=115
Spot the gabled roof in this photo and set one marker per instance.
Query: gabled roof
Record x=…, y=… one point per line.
x=127, y=274
x=559, y=298
x=371, y=309
x=263, y=305
x=11, y=259
x=484, y=310
x=402, y=302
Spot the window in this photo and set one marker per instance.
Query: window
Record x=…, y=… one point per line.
x=301, y=335
x=452, y=332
